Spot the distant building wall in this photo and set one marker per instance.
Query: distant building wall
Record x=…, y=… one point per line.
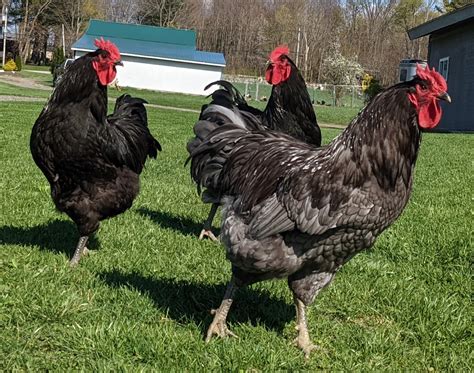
x=457, y=45
x=162, y=75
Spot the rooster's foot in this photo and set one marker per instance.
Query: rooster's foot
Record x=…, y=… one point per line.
x=306, y=346
x=208, y=233
x=303, y=340
x=219, y=327
x=219, y=324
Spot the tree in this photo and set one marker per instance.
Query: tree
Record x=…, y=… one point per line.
x=339, y=70
x=369, y=32
x=121, y=10
x=161, y=13
x=408, y=14
x=30, y=13
x=74, y=15
x=451, y=5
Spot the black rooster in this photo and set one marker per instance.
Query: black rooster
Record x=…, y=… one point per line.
x=295, y=211
x=289, y=110
x=92, y=161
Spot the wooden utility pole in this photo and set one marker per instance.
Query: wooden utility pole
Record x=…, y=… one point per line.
x=298, y=46
x=64, y=42
x=5, y=22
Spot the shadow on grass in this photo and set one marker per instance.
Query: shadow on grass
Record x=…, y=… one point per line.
x=57, y=236
x=177, y=223
x=191, y=302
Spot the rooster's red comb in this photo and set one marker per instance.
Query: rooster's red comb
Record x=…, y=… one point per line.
x=432, y=76
x=278, y=52
x=108, y=46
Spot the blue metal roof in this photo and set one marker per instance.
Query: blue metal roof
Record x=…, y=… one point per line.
x=149, y=42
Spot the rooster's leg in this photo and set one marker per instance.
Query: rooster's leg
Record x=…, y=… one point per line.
x=81, y=250
x=303, y=341
x=206, y=230
x=219, y=324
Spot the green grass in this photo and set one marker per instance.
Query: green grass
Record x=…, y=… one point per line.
x=142, y=301
x=36, y=68
x=325, y=114
x=336, y=115
x=163, y=98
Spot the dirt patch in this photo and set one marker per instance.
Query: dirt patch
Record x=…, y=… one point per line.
x=22, y=82
x=21, y=98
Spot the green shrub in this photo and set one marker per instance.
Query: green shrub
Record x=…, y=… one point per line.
x=58, y=59
x=18, y=63
x=10, y=65
x=370, y=87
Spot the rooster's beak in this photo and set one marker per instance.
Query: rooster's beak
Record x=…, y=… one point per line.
x=444, y=96
x=268, y=64
x=118, y=63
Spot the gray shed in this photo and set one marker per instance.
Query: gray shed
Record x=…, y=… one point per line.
x=451, y=52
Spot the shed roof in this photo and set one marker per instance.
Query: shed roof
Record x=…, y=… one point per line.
x=460, y=15
x=148, y=42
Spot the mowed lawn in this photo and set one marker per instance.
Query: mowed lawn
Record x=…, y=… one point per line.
x=325, y=114
x=142, y=301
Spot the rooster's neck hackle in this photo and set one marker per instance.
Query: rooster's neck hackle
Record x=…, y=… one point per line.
x=288, y=94
x=384, y=139
x=290, y=105
x=79, y=86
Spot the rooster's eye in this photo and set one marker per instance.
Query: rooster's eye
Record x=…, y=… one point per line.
x=423, y=87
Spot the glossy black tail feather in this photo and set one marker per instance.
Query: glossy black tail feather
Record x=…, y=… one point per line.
x=129, y=125
x=227, y=108
x=209, y=157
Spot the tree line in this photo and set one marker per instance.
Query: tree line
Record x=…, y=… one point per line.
x=355, y=36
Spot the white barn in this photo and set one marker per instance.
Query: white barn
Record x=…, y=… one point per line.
x=156, y=58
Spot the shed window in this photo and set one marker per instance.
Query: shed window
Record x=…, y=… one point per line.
x=444, y=67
